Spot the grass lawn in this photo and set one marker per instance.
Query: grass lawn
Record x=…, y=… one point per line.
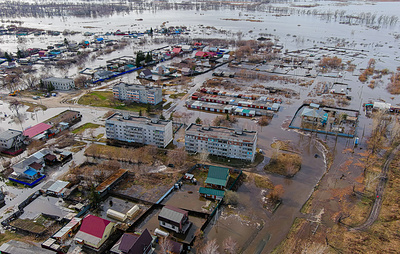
x=176, y=95
x=84, y=127
x=105, y=99
x=285, y=164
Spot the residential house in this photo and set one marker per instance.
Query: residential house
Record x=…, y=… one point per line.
x=217, y=177
x=134, y=244
x=30, y=168
x=11, y=139
x=174, y=219
x=211, y=193
x=314, y=115
x=146, y=74
x=68, y=229
x=177, y=51
x=57, y=188
x=94, y=231
x=34, y=131
x=201, y=54
x=17, y=247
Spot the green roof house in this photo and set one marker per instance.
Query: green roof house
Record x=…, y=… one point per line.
x=217, y=177
x=211, y=193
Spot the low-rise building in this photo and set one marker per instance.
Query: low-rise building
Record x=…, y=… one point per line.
x=94, y=231
x=221, y=141
x=138, y=93
x=174, y=219
x=138, y=129
x=134, y=244
x=11, y=139
x=59, y=83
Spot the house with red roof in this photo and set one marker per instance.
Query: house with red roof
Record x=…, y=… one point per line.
x=94, y=231
x=201, y=54
x=177, y=51
x=36, y=130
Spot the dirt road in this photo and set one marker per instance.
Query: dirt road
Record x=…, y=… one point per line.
x=380, y=189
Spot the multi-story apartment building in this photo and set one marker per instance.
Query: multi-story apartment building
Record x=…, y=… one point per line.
x=221, y=141
x=11, y=139
x=138, y=93
x=138, y=129
x=59, y=83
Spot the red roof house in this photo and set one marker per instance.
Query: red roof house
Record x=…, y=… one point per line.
x=177, y=51
x=201, y=54
x=94, y=231
x=37, y=129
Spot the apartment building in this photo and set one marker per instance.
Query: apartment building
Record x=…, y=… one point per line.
x=59, y=83
x=138, y=93
x=137, y=129
x=221, y=141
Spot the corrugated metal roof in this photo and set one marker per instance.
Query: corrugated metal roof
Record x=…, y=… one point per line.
x=208, y=191
x=172, y=213
x=58, y=186
x=217, y=175
x=37, y=129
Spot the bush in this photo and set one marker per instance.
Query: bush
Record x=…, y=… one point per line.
x=231, y=198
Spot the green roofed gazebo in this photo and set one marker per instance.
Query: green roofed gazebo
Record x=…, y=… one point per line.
x=217, y=177
x=211, y=193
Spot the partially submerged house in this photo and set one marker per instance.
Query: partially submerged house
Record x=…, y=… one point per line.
x=94, y=231
x=134, y=244
x=217, y=177
x=174, y=219
x=314, y=115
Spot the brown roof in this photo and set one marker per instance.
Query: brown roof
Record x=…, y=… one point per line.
x=50, y=157
x=101, y=187
x=36, y=165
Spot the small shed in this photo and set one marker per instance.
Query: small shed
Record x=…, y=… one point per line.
x=211, y=193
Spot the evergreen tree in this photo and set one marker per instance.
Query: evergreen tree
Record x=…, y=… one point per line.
x=140, y=112
x=139, y=58
x=149, y=57
x=198, y=120
x=162, y=117
x=8, y=57
x=19, y=54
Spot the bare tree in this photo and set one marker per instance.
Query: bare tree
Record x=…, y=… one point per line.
x=31, y=81
x=210, y=248
x=166, y=246
x=230, y=245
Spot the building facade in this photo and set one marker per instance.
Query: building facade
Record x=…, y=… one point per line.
x=174, y=219
x=60, y=83
x=138, y=129
x=138, y=93
x=11, y=139
x=221, y=141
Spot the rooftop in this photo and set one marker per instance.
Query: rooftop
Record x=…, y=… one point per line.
x=221, y=133
x=172, y=213
x=94, y=225
x=60, y=80
x=217, y=175
x=208, y=191
x=9, y=134
x=58, y=186
x=136, y=87
x=126, y=117
x=37, y=129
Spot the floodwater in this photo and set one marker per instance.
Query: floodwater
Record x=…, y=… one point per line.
x=294, y=32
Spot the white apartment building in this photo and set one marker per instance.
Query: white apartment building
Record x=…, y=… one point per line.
x=221, y=141
x=60, y=83
x=137, y=129
x=138, y=93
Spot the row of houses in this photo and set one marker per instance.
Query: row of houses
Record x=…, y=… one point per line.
x=230, y=109
x=238, y=95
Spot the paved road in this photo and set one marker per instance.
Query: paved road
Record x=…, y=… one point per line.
x=379, y=193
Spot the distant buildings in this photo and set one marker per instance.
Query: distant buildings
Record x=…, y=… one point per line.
x=143, y=130
x=59, y=83
x=11, y=139
x=221, y=141
x=138, y=93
